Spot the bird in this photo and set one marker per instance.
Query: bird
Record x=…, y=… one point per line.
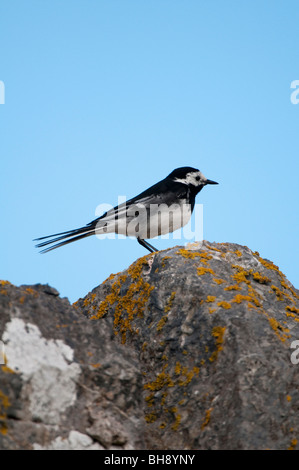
x=163, y=208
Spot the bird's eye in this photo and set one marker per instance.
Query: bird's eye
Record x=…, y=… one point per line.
x=197, y=178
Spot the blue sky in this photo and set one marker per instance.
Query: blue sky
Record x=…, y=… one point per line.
x=105, y=98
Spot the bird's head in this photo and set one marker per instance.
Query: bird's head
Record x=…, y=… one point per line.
x=190, y=177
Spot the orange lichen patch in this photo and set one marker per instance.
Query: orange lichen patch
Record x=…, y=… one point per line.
x=4, y=404
x=294, y=443
x=291, y=308
x=162, y=380
x=212, y=310
x=218, y=281
x=278, y=292
x=169, y=302
x=210, y=298
x=176, y=424
x=162, y=322
x=212, y=248
x=86, y=302
x=5, y=283
x=163, y=261
x=218, y=333
x=241, y=275
x=150, y=399
x=31, y=292
x=150, y=417
x=188, y=254
x=112, y=276
x=240, y=298
x=224, y=304
x=204, y=257
x=269, y=265
x=233, y=287
x=238, y=253
x=278, y=329
x=285, y=285
x=260, y=278
x=187, y=375
x=130, y=304
x=289, y=398
x=97, y=365
x=207, y=418
x=7, y=370
x=201, y=271
x=178, y=368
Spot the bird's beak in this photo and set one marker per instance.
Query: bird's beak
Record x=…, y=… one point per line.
x=211, y=182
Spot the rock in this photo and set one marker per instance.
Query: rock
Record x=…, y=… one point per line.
x=189, y=348
x=62, y=376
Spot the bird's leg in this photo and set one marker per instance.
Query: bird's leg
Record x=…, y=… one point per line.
x=146, y=245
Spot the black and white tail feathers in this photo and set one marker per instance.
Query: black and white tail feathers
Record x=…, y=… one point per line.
x=69, y=237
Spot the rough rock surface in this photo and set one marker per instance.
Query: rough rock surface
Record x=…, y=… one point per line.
x=189, y=348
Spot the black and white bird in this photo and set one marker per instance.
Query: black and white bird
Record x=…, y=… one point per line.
x=163, y=208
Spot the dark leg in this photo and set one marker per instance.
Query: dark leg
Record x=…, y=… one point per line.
x=146, y=245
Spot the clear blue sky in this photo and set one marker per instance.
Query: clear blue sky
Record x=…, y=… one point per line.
x=105, y=98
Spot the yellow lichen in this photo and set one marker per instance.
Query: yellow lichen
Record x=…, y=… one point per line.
x=278, y=292
x=260, y=278
x=210, y=298
x=238, y=253
x=188, y=254
x=279, y=330
x=162, y=322
x=233, y=287
x=218, y=281
x=150, y=418
x=169, y=302
x=207, y=418
x=201, y=271
x=241, y=275
x=212, y=248
x=4, y=404
x=31, y=292
x=294, y=443
x=224, y=304
x=218, y=333
x=176, y=424
x=130, y=304
x=162, y=380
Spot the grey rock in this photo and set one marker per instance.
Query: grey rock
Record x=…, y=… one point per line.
x=189, y=348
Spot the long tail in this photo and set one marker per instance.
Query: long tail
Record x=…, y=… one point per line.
x=69, y=237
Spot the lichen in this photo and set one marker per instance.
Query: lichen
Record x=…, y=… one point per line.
x=169, y=303
x=162, y=322
x=279, y=330
x=4, y=404
x=201, y=271
x=218, y=280
x=207, y=418
x=218, y=334
x=129, y=305
x=224, y=304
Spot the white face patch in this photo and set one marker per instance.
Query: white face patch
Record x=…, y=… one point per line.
x=195, y=178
